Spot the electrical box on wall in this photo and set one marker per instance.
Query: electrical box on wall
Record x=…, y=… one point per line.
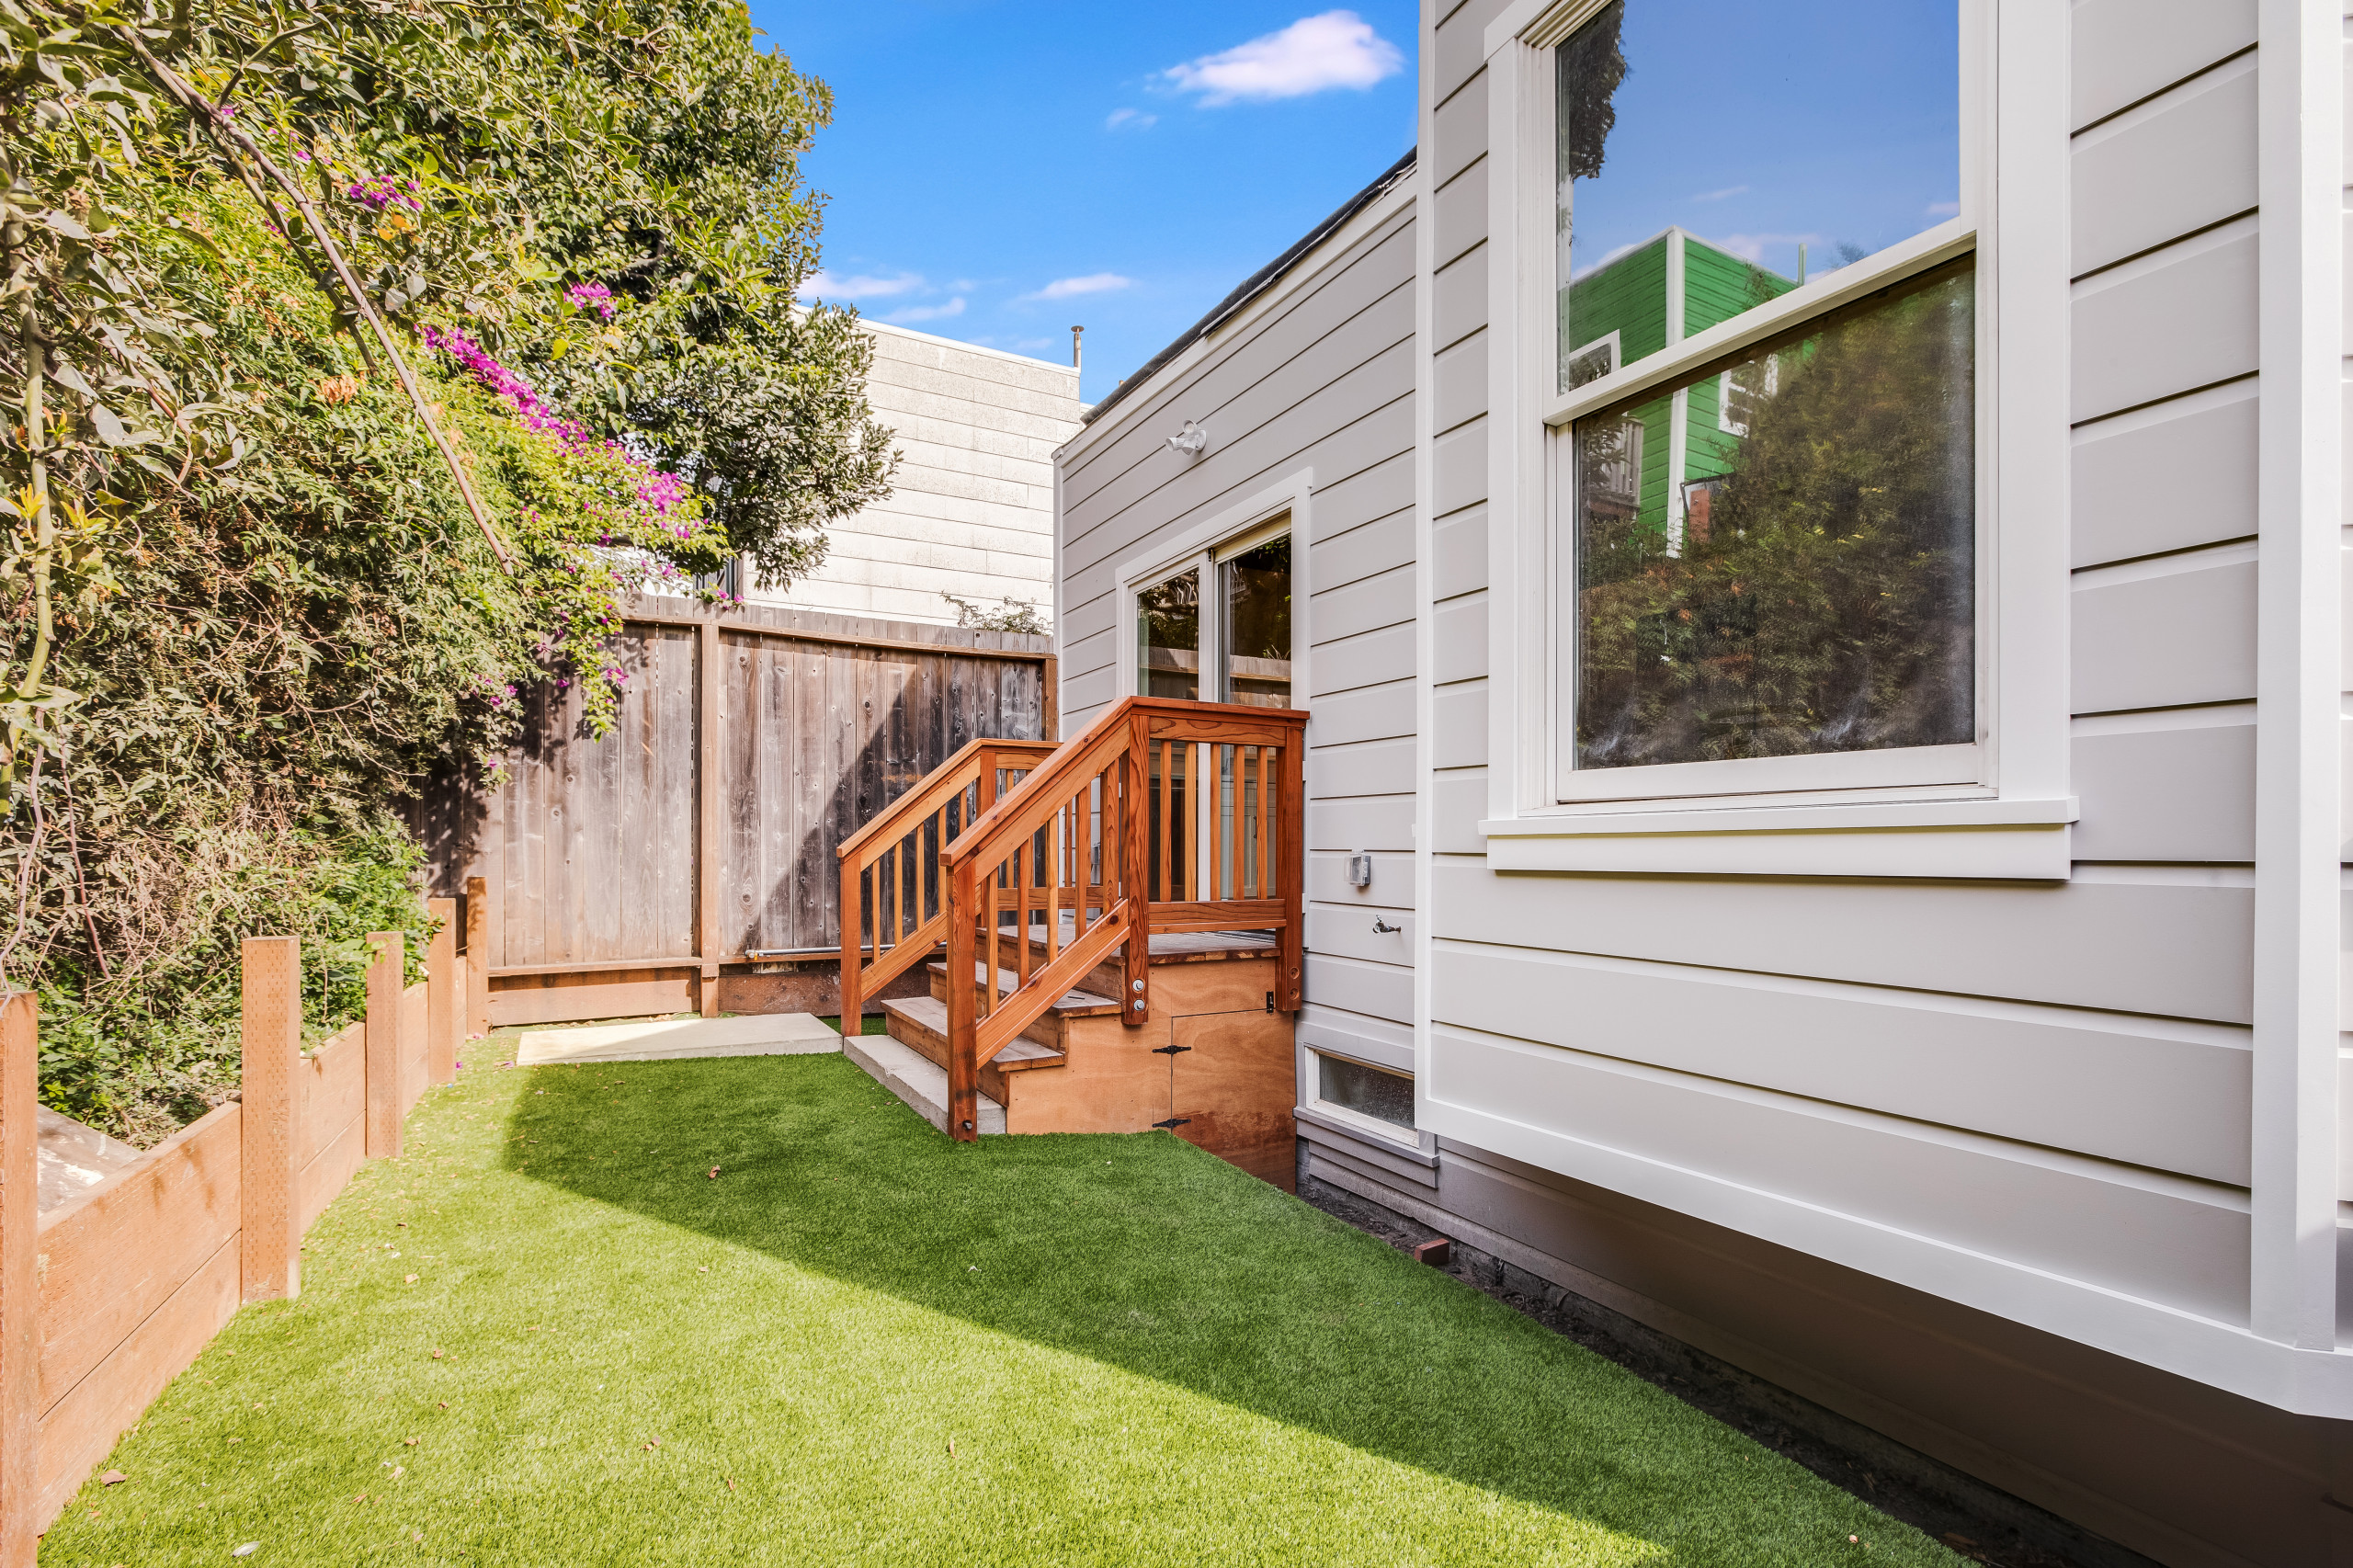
x=1360, y=870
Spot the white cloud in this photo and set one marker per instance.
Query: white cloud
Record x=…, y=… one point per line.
x=1751, y=247
x=1093, y=283
x=954, y=307
x=1944, y=209
x=1337, y=49
x=859, y=286
x=1720, y=195
x=1131, y=120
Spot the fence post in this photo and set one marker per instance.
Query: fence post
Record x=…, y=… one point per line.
x=477, y=1002
x=1135, y=872
x=850, y=1004
x=707, y=823
x=386, y=959
x=961, y=894
x=444, y=994
x=19, y=1281
x=269, y=1237
x=1289, y=857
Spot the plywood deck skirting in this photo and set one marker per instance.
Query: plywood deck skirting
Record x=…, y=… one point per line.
x=111, y=1294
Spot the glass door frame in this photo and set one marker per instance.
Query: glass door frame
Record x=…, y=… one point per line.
x=1207, y=558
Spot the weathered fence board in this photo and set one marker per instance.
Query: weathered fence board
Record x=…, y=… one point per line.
x=602, y=899
x=129, y=1281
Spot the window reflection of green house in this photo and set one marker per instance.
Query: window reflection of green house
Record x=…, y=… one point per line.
x=1616, y=312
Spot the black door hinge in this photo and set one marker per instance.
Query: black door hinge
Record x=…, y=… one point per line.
x=1169, y=1050
x=1174, y=1121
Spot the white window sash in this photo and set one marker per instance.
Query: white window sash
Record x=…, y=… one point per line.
x=2016, y=224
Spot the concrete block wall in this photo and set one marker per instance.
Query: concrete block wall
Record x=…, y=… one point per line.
x=973, y=511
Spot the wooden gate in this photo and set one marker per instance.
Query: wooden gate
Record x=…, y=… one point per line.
x=686, y=861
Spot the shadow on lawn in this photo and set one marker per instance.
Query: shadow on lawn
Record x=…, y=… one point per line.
x=1145, y=1253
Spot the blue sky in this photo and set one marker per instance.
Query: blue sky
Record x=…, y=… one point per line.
x=1765, y=128
x=999, y=171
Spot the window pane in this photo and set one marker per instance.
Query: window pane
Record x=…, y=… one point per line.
x=1168, y=637
x=1368, y=1091
x=1715, y=153
x=1796, y=573
x=1256, y=646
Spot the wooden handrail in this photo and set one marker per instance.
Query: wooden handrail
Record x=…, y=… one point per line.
x=1092, y=830
x=964, y=786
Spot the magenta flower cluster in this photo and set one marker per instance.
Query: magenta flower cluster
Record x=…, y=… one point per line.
x=591, y=297
x=658, y=491
x=379, y=191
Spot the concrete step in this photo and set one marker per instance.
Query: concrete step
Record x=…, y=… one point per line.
x=921, y=1023
x=921, y=1083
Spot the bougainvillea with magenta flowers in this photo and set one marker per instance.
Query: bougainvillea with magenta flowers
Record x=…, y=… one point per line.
x=595, y=525
x=378, y=191
x=591, y=297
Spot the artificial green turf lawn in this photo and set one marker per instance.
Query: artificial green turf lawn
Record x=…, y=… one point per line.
x=863, y=1343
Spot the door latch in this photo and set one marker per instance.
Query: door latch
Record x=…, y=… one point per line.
x=1270, y=1000
x=1382, y=928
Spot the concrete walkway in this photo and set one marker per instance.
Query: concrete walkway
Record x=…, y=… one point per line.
x=662, y=1039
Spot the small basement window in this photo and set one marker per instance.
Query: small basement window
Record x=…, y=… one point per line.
x=1365, y=1091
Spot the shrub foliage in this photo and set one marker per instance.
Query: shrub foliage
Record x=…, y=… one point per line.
x=250, y=599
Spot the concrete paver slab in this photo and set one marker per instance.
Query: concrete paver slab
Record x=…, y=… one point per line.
x=662, y=1039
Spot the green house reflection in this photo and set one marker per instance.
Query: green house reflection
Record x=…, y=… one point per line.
x=1669, y=453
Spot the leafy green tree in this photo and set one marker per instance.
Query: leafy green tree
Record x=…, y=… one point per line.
x=363, y=357
x=1829, y=603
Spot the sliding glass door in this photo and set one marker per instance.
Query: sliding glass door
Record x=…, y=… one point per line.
x=1231, y=644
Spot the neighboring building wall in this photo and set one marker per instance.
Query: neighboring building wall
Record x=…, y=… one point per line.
x=2045, y=1083
x=1316, y=373
x=972, y=510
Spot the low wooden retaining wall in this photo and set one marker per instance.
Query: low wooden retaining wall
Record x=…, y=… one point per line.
x=107, y=1298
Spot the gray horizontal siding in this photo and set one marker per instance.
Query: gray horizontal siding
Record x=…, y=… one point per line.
x=1948, y=1059
x=1322, y=377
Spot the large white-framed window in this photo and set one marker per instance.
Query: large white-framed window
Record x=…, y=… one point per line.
x=1783, y=589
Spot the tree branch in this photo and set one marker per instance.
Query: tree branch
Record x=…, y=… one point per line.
x=193, y=102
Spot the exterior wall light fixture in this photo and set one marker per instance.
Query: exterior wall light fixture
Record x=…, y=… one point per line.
x=1190, y=439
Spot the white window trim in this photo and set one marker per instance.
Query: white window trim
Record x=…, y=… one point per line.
x=2006, y=813
x=1414, y=1140
x=1202, y=547
x=1727, y=423
x=1608, y=343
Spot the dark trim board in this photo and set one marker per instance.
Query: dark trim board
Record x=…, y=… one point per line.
x=2140, y=1465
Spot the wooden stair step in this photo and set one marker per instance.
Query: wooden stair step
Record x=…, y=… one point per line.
x=1073, y=1004
x=925, y=1022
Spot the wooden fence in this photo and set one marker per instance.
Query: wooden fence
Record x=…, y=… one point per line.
x=110, y=1295
x=686, y=861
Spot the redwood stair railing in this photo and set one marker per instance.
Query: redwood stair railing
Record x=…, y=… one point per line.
x=1162, y=816
x=893, y=906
